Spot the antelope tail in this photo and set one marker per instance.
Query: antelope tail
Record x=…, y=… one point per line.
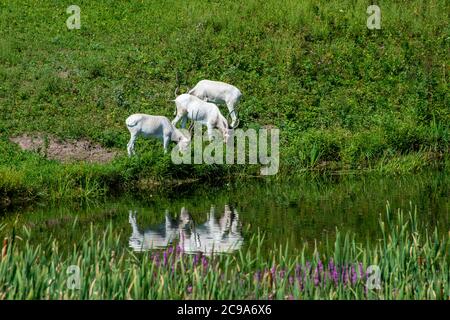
x=132, y=121
x=178, y=84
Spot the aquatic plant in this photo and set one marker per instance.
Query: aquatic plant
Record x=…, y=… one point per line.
x=412, y=264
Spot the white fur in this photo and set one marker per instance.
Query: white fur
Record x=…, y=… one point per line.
x=154, y=126
x=216, y=235
x=189, y=106
x=219, y=93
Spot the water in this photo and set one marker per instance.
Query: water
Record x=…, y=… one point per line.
x=298, y=213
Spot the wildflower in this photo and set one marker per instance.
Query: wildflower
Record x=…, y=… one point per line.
x=331, y=265
x=195, y=260
x=165, y=257
x=258, y=276
x=335, y=276
x=344, y=275
x=298, y=270
x=273, y=270
x=156, y=260
x=316, y=277
x=204, y=262
x=354, y=275
x=361, y=270
x=320, y=265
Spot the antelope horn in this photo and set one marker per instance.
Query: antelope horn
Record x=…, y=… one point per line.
x=236, y=124
x=237, y=119
x=191, y=128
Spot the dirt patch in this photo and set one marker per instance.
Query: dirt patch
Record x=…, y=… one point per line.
x=65, y=150
x=63, y=74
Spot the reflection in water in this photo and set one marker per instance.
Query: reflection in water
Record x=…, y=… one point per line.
x=215, y=235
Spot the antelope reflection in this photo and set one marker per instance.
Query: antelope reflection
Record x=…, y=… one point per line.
x=215, y=235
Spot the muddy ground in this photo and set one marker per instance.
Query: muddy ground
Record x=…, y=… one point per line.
x=65, y=150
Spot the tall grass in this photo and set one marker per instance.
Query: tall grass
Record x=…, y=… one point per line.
x=413, y=264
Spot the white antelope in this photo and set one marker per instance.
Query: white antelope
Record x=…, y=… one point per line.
x=157, y=127
x=219, y=93
x=189, y=106
x=216, y=235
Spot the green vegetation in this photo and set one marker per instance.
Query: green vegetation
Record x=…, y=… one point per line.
x=343, y=96
x=307, y=209
x=25, y=176
x=413, y=264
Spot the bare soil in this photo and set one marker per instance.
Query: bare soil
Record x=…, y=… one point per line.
x=65, y=150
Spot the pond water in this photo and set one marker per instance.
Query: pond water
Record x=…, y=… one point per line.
x=300, y=212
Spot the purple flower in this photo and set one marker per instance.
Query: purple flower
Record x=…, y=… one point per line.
x=331, y=265
x=195, y=260
x=335, y=276
x=320, y=265
x=300, y=282
x=204, y=262
x=361, y=270
x=273, y=270
x=165, y=257
x=291, y=280
x=316, y=276
x=189, y=289
x=156, y=260
x=258, y=276
x=333, y=272
x=298, y=270
x=354, y=275
x=344, y=275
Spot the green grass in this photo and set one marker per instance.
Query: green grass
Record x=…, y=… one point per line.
x=343, y=96
x=413, y=264
x=26, y=177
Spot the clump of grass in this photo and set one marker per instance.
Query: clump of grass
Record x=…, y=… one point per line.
x=413, y=264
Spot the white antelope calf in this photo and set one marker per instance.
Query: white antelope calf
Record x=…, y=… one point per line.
x=219, y=93
x=189, y=106
x=157, y=127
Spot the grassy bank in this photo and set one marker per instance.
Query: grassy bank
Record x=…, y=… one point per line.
x=344, y=97
x=413, y=264
x=26, y=176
